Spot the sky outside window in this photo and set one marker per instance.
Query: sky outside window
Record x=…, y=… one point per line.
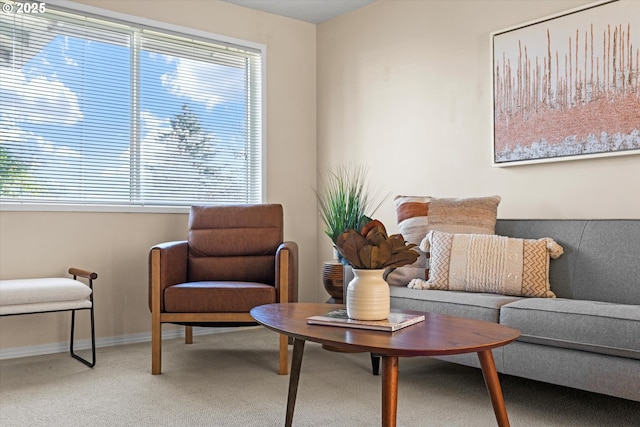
x=68, y=109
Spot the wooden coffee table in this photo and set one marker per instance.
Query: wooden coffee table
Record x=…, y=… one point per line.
x=438, y=335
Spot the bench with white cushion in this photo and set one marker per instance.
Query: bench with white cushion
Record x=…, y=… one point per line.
x=29, y=296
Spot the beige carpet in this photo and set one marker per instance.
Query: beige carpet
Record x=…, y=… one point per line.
x=230, y=379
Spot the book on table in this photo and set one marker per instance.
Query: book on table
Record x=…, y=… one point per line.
x=395, y=321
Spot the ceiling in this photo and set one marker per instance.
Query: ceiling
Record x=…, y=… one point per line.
x=313, y=11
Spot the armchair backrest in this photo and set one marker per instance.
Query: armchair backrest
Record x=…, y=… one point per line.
x=234, y=243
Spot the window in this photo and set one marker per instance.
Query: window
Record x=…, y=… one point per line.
x=96, y=111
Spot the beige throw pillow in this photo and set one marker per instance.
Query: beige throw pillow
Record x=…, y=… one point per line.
x=484, y=263
x=417, y=215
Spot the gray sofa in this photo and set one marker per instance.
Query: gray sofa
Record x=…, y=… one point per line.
x=589, y=336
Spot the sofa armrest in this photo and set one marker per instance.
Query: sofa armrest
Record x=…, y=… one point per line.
x=287, y=271
x=167, y=266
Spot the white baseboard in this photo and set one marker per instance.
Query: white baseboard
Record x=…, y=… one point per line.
x=63, y=347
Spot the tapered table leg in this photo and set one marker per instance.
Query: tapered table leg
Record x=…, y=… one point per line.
x=294, y=377
x=375, y=364
x=389, y=390
x=493, y=387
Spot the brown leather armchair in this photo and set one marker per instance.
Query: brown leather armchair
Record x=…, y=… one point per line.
x=234, y=259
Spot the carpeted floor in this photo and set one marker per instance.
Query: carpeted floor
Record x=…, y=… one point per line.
x=230, y=379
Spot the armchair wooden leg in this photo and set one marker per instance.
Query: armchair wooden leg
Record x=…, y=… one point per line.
x=284, y=354
x=156, y=347
x=188, y=334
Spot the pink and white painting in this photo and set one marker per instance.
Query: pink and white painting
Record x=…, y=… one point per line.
x=568, y=86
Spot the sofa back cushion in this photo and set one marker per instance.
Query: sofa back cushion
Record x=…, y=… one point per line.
x=601, y=260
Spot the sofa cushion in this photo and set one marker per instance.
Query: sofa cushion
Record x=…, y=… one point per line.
x=483, y=263
x=598, y=327
x=609, y=255
x=479, y=306
x=417, y=215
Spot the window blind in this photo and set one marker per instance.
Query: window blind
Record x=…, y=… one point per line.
x=97, y=111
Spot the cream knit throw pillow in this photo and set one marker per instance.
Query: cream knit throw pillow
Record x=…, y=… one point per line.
x=488, y=263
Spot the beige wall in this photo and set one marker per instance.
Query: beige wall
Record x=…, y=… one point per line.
x=404, y=87
x=36, y=244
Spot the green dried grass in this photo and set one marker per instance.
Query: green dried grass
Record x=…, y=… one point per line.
x=345, y=202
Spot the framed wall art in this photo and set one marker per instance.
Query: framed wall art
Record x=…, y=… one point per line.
x=567, y=86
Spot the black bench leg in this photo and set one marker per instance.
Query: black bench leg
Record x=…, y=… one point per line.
x=93, y=339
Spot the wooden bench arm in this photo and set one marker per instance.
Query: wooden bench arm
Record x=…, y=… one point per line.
x=83, y=273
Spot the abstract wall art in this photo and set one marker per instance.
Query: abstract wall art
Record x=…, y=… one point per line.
x=567, y=87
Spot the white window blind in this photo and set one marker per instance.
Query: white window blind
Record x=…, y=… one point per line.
x=103, y=112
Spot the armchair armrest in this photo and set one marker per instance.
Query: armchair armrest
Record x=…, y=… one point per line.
x=167, y=266
x=287, y=271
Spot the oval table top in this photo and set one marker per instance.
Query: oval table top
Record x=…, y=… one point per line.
x=437, y=335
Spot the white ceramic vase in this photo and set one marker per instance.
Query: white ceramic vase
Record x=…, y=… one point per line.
x=368, y=295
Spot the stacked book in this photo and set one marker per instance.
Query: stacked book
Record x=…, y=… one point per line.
x=395, y=321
